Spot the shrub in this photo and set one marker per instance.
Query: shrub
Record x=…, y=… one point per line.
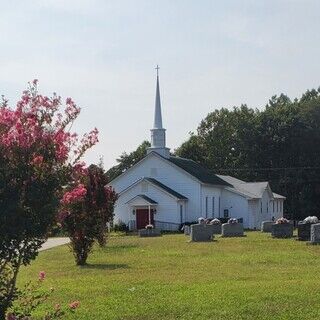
x=233, y=221
x=38, y=154
x=33, y=296
x=120, y=227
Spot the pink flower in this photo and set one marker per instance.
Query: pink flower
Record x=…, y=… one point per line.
x=75, y=195
x=37, y=161
x=42, y=275
x=74, y=305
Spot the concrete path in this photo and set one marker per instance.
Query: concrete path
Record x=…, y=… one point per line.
x=54, y=242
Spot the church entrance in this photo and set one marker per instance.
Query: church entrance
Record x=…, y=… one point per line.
x=142, y=218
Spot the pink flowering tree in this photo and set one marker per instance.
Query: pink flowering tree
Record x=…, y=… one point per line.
x=86, y=209
x=39, y=156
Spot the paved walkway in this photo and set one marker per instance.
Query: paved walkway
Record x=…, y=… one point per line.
x=54, y=242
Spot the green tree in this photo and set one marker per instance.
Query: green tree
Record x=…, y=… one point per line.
x=126, y=161
x=280, y=144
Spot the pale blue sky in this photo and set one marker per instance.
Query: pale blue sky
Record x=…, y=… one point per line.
x=212, y=54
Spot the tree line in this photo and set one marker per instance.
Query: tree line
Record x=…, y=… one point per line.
x=279, y=144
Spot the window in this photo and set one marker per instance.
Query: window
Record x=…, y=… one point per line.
x=226, y=213
x=273, y=205
x=212, y=207
x=206, y=207
x=181, y=213
x=219, y=206
x=277, y=206
x=267, y=207
x=261, y=206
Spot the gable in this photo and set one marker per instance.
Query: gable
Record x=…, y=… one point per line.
x=160, y=186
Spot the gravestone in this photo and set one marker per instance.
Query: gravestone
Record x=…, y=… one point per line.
x=315, y=234
x=266, y=226
x=149, y=233
x=304, y=230
x=232, y=230
x=282, y=230
x=201, y=232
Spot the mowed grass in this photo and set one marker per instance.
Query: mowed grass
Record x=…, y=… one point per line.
x=255, y=277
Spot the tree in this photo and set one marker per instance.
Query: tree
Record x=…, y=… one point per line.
x=86, y=209
x=38, y=156
x=280, y=144
x=126, y=161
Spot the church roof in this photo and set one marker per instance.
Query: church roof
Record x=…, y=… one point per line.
x=199, y=172
x=144, y=197
x=166, y=188
x=253, y=190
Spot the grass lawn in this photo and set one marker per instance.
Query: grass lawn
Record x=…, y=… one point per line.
x=256, y=277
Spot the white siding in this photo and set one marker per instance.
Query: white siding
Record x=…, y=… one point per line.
x=237, y=206
x=167, y=208
x=169, y=175
x=209, y=192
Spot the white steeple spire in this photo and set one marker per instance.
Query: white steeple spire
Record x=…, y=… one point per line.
x=158, y=133
x=157, y=111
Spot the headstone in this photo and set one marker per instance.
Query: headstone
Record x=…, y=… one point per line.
x=201, y=232
x=232, y=230
x=315, y=234
x=186, y=230
x=304, y=230
x=149, y=232
x=266, y=226
x=282, y=230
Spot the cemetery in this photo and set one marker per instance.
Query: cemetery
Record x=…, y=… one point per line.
x=130, y=270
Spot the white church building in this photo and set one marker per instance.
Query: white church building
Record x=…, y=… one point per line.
x=166, y=190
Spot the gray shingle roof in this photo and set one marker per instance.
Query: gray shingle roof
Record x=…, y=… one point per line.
x=252, y=190
x=199, y=172
x=166, y=188
x=143, y=196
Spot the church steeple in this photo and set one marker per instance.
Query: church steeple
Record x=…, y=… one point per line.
x=157, y=111
x=158, y=133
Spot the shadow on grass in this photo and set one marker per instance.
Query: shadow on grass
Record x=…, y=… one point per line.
x=105, y=266
x=121, y=247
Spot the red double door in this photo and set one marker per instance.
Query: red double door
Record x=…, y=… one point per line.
x=142, y=218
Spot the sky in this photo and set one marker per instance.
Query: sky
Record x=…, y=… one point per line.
x=212, y=54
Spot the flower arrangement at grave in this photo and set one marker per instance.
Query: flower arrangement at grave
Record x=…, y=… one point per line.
x=233, y=221
x=215, y=221
x=282, y=221
x=311, y=220
x=149, y=226
x=201, y=220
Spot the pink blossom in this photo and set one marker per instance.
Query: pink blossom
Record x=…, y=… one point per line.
x=74, y=305
x=42, y=275
x=75, y=195
x=37, y=160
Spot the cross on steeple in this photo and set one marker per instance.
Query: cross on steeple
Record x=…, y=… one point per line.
x=157, y=68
